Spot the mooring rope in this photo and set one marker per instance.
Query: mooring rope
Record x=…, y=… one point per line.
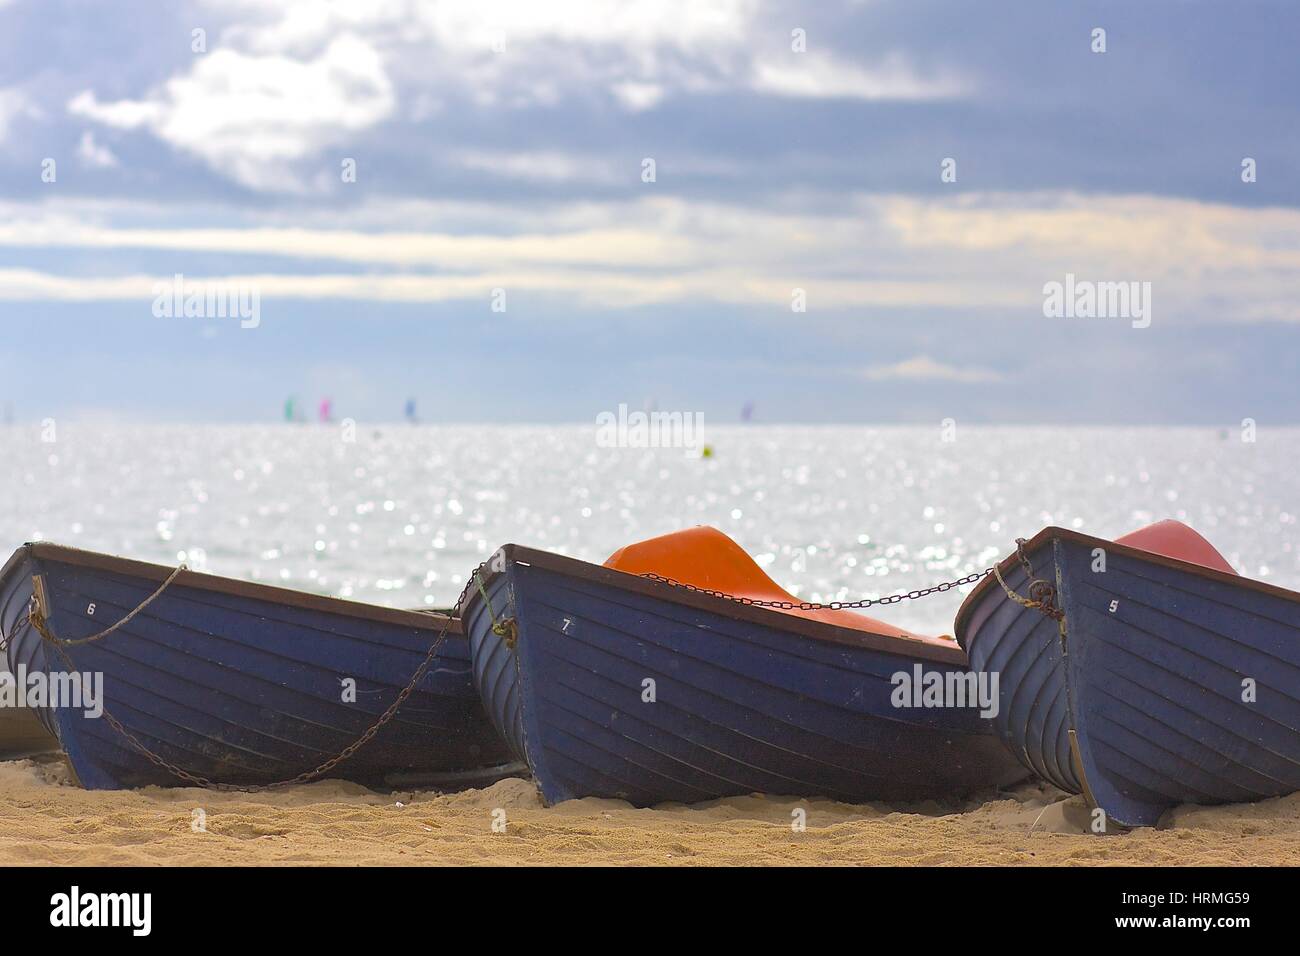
x=505, y=628
x=36, y=615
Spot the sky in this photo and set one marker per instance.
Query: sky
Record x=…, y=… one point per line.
x=854, y=213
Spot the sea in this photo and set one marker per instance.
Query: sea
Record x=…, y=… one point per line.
x=400, y=515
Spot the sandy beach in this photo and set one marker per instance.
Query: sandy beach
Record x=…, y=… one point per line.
x=45, y=820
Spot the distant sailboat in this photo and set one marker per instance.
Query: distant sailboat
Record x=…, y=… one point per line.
x=410, y=411
x=747, y=412
x=289, y=409
x=326, y=411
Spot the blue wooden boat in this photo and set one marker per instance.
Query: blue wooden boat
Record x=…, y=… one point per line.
x=234, y=682
x=613, y=684
x=1145, y=673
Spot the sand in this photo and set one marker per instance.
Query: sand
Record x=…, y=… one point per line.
x=44, y=819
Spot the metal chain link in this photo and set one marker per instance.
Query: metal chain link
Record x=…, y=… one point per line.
x=4, y=638
x=459, y=607
x=306, y=776
x=474, y=580
x=814, y=606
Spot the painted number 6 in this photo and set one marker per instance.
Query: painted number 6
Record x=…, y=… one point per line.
x=90, y=609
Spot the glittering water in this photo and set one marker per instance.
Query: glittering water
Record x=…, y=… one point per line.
x=402, y=514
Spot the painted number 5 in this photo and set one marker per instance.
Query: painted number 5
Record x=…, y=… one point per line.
x=1114, y=606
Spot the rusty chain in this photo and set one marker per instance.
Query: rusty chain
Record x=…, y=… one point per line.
x=1042, y=594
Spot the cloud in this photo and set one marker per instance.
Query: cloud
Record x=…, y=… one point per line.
x=824, y=76
x=297, y=25
x=640, y=52
x=1129, y=236
x=517, y=53
x=124, y=114
x=968, y=254
x=922, y=368
x=284, y=82
x=542, y=166
x=251, y=116
x=92, y=154
x=636, y=97
x=590, y=288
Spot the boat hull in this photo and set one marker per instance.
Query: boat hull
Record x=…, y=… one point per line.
x=1165, y=682
x=239, y=683
x=21, y=733
x=615, y=686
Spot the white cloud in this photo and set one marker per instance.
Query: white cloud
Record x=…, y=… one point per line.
x=92, y=154
x=252, y=116
x=968, y=254
x=815, y=75
x=300, y=25
x=637, y=97
x=638, y=51
x=543, y=166
x=1146, y=236
x=124, y=114
x=288, y=80
x=922, y=368
x=519, y=53
x=591, y=288
x=609, y=246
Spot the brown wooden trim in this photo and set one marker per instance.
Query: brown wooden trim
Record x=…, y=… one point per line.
x=201, y=581
x=815, y=630
x=1150, y=557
